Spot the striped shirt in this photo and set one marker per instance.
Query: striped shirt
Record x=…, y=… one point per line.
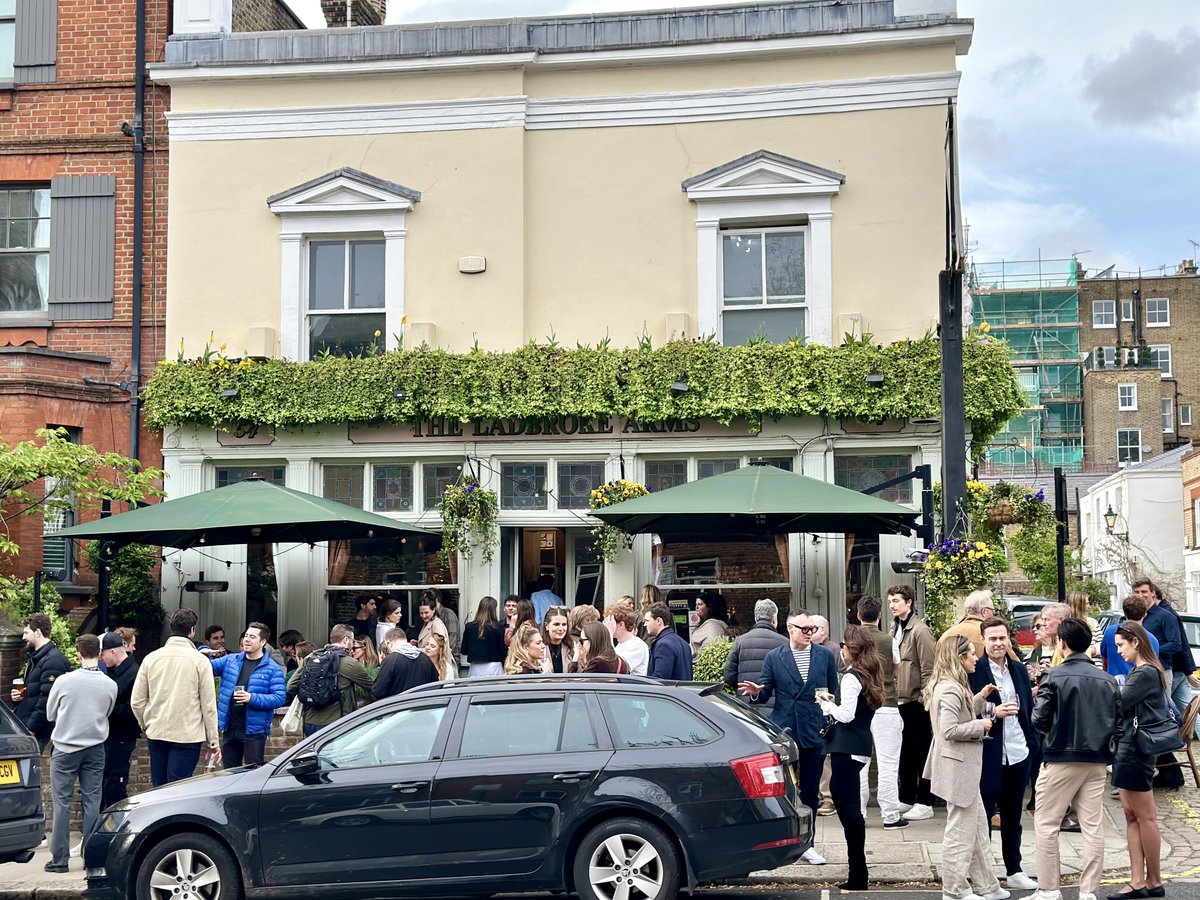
x=802, y=658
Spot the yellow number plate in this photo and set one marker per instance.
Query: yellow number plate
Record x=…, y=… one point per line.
x=10, y=772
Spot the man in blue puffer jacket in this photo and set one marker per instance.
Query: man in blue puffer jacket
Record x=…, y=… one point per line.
x=252, y=688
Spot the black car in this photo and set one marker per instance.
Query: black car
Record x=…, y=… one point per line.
x=22, y=822
x=605, y=786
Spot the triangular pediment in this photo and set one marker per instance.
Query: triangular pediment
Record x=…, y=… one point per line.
x=344, y=190
x=763, y=174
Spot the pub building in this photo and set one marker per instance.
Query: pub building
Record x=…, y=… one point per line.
x=543, y=474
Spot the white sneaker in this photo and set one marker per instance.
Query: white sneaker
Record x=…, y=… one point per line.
x=919, y=812
x=904, y=807
x=812, y=857
x=77, y=849
x=1046, y=895
x=1019, y=881
x=1086, y=895
x=971, y=895
x=999, y=894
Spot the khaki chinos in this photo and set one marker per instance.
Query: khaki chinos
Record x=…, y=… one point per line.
x=1059, y=784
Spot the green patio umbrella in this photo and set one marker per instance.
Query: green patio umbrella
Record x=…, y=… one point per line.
x=755, y=501
x=252, y=511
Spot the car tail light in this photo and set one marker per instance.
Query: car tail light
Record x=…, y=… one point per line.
x=760, y=776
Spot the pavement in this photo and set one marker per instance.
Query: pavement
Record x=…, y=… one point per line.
x=902, y=857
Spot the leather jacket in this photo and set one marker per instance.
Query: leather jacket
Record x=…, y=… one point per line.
x=1078, y=710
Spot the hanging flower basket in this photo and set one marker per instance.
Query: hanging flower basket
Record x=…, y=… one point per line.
x=608, y=540
x=469, y=520
x=1002, y=513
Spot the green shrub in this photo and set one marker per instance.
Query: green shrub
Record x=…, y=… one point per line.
x=709, y=664
x=16, y=602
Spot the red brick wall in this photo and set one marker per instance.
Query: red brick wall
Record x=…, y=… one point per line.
x=73, y=127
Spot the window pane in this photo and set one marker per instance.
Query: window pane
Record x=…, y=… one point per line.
x=785, y=265
x=344, y=335
x=576, y=481
x=24, y=279
x=227, y=475
x=578, y=733
x=435, y=478
x=366, y=274
x=327, y=275
x=1158, y=311
x=410, y=558
x=775, y=325
x=1168, y=414
x=666, y=473
x=654, y=722
x=393, y=488
x=1126, y=310
x=404, y=736
x=1104, y=312
x=523, y=486
x=706, y=468
x=860, y=472
x=742, y=271
x=1185, y=414
x=1129, y=445
x=512, y=728
x=345, y=485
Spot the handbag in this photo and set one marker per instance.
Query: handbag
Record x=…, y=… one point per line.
x=1154, y=740
x=293, y=719
x=827, y=729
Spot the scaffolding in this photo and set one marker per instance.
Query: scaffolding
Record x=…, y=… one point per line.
x=1034, y=307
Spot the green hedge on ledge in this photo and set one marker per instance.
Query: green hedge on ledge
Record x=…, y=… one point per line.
x=546, y=381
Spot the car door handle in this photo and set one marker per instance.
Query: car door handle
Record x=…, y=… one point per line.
x=573, y=776
x=409, y=787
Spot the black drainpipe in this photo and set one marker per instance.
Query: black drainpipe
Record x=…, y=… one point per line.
x=139, y=215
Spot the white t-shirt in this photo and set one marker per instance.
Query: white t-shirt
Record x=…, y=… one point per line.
x=636, y=654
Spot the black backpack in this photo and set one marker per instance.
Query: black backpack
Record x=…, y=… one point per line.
x=318, y=680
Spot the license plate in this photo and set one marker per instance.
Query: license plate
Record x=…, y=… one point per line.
x=10, y=772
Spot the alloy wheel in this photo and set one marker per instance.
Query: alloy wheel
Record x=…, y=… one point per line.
x=626, y=867
x=186, y=874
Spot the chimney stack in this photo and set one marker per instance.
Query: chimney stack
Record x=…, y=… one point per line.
x=1187, y=267
x=342, y=13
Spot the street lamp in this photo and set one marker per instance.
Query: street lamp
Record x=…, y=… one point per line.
x=1110, y=522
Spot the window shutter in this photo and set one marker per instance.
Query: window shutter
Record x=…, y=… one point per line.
x=82, y=243
x=37, y=41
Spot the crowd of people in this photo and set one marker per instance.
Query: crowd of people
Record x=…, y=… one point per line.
x=961, y=720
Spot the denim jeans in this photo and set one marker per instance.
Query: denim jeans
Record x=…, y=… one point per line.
x=86, y=766
x=239, y=748
x=170, y=761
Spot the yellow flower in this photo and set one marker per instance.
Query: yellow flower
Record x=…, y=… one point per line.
x=377, y=332
x=222, y=347
x=212, y=336
x=979, y=545
x=985, y=327
x=404, y=319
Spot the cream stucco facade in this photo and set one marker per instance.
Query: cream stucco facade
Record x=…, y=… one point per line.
x=596, y=185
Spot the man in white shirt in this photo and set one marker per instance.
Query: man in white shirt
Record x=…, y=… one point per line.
x=621, y=621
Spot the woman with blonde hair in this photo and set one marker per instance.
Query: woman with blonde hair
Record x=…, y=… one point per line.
x=1144, y=699
x=527, y=652
x=1080, y=604
x=650, y=596
x=953, y=768
x=438, y=651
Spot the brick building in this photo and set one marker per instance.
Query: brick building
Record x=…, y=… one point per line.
x=67, y=283
x=1128, y=327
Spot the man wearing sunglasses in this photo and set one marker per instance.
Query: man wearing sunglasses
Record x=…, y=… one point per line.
x=797, y=675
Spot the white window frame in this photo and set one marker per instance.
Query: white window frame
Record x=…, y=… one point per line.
x=1109, y=308
x=36, y=253
x=1168, y=415
x=1137, y=448
x=766, y=188
x=1185, y=415
x=1166, y=308
x=764, y=303
x=1195, y=527
x=1129, y=355
x=1159, y=349
x=1126, y=310
x=347, y=273
x=1132, y=405
x=6, y=79
x=340, y=207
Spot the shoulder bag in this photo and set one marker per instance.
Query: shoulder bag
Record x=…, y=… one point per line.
x=1154, y=740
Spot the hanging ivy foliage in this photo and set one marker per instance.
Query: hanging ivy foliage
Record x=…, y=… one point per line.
x=756, y=382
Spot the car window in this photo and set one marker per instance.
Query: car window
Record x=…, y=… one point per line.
x=514, y=727
x=654, y=722
x=400, y=736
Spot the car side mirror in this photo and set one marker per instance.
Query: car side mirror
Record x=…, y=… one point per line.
x=306, y=764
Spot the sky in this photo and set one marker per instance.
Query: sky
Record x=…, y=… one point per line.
x=1079, y=123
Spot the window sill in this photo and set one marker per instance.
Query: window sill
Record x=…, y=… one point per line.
x=22, y=331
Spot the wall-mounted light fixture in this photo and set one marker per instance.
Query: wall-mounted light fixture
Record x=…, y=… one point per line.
x=400, y=394
x=228, y=393
x=1110, y=523
x=680, y=385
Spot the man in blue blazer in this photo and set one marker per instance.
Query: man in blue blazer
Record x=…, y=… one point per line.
x=793, y=674
x=1008, y=752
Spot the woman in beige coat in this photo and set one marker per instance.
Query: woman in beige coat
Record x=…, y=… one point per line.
x=953, y=768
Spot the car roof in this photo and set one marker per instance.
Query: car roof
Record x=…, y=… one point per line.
x=577, y=681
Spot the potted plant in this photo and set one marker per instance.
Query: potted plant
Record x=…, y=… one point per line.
x=954, y=567
x=1001, y=511
x=609, y=540
x=470, y=517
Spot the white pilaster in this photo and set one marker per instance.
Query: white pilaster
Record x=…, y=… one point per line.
x=291, y=283
x=393, y=264
x=203, y=16
x=820, y=278
x=708, y=275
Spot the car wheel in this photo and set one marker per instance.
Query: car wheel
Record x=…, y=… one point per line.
x=189, y=867
x=626, y=859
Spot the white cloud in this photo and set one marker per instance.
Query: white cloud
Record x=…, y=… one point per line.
x=1015, y=229
x=1151, y=81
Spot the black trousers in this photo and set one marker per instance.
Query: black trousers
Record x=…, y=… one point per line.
x=808, y=776
x=1007, y=796
x=116, y=771
x=239, y=748
x=914, y=747
x=847, y=800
